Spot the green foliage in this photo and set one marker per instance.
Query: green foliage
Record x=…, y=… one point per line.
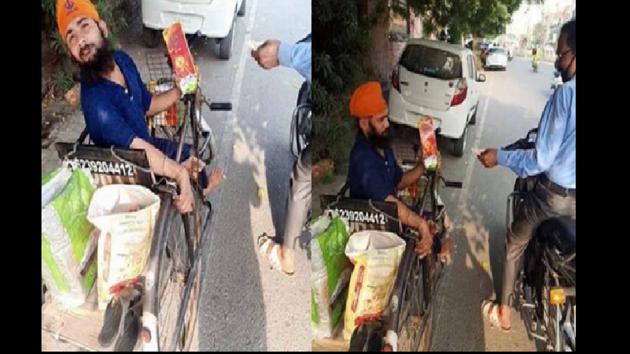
x=63, y=81
x=341, y=32
x=481, y=18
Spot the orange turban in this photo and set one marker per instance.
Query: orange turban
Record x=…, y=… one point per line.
x=68, y=10
x=367, y=101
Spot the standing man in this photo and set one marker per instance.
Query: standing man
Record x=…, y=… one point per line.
x=281, y=254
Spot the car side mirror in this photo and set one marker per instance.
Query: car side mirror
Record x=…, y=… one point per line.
x=481, y=78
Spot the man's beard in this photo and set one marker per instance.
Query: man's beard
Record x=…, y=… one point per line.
x=381, y=141
x=101, y=64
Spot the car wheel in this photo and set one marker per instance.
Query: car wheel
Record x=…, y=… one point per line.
x=460, y=144
x=473, y=119
x=241, y=10
x=150, y=37
x=226, y=44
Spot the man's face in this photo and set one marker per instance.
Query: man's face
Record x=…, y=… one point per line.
x=565, y=59
x=379, y=125
x=377, y=131
x=84, y=37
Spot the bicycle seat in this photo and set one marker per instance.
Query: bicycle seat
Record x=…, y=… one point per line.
x=558, y=233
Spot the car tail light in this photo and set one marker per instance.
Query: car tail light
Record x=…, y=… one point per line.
x=396, y=79
x=461, y=90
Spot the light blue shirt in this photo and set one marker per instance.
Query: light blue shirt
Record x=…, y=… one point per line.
x=297, y=56
x=554, y=154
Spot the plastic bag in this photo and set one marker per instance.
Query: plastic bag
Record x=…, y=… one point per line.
x=67, y=237
x=376, y=256
x=330, y=273
x=125, y=216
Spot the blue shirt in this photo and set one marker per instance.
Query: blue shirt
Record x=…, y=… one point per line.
x=297, y=56
x=554, y=154
x=113, y=115
x=372, y=176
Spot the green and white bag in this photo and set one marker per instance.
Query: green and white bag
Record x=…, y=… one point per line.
x=330, y=275
x=68, y=240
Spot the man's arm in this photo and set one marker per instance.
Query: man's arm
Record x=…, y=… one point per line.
x=296, y=56
x=115, y=131
x=161, y=165
x=412, y=176
x=411, y=219
x=551, y=130
x=163, y=101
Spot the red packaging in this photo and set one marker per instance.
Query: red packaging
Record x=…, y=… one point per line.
x=429, y=143
x=186, y=75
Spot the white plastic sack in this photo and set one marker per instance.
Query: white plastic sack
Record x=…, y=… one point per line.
x=376, y=256
x=125, y=216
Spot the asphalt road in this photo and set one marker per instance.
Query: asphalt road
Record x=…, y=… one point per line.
x=245, y=305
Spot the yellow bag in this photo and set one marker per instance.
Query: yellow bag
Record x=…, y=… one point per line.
x=376, y=255
x=125, y=216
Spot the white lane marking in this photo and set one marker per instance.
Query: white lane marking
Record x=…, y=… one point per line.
x=472, y=159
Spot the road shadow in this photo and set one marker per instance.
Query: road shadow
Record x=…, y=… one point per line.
x=232, y=294
x=467, y=283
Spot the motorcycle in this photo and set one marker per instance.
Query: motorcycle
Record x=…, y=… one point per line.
x=545, y=288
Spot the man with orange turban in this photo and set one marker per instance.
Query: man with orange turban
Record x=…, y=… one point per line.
x=373, y=172
x=115, y=101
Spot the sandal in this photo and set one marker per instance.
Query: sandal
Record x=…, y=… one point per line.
x=490, y=311
x=271, y=250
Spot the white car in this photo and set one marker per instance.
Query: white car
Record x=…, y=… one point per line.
x=497, y=58
x=438, y=80
x=212, y=18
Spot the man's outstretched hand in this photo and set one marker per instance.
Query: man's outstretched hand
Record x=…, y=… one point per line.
x=488, y=158
x=266, y=55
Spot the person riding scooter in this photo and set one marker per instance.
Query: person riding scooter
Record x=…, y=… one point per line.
x=535, y=58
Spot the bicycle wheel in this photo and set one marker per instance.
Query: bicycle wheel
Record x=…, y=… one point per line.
x=411, y=308
x=178, y=285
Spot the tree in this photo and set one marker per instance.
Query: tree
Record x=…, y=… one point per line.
x=481, y=18
x=341, y=37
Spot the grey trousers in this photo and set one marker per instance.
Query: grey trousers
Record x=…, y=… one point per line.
x=538, y=205
x=299, y=199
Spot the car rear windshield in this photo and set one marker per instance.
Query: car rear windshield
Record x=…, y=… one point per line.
x=431, y=62
x=497, y=51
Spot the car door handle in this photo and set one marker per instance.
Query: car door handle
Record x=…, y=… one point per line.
x=404, y=83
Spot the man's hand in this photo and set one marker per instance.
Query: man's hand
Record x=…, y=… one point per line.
x=488, y=158
x=423, y=247
x=185, y=201
x=267, y=54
